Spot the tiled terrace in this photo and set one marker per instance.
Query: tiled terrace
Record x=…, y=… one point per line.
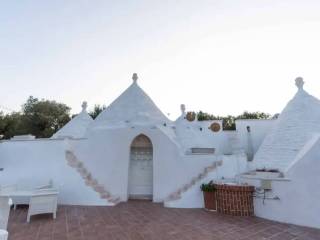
x=145, y=220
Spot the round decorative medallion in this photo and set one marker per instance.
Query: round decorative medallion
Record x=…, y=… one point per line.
x=191, y=116
x=215, y=127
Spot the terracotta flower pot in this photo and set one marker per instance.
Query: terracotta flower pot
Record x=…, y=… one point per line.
x=210, y=202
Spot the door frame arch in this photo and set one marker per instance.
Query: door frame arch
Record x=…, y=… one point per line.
x=149, y=144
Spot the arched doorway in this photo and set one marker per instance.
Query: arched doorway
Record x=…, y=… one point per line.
x=140, y=185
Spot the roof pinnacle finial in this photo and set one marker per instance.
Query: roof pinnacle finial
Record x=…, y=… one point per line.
x=135, y=77
x=84, y=106
x=299, y=83
x=183, y=109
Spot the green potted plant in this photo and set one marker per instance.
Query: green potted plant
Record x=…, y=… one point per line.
x=209, y=196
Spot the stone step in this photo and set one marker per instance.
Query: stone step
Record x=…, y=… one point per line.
x=74, y=162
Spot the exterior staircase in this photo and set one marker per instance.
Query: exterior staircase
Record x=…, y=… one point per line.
x=176, y=195
x=90, y=181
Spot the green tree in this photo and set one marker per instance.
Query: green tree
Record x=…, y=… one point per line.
x=2, y=124
x=253, y=115
x=203, y=116
x=43, y=118
x=10, y=125
x=97, y=110
x=228, y=122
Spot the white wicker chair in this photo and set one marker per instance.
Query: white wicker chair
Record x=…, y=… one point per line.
x=12, y=188
x=43, y=201
x=23, y=200
x=5, y=204
x=15, y=200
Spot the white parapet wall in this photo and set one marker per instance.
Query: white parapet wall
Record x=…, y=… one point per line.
x=32, y=163
x=259, y=129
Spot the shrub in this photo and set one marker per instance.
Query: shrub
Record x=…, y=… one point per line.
x=207, y=187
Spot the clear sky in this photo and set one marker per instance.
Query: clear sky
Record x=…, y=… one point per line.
x=222, y=57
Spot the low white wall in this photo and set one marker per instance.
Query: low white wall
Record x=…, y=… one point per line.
x=199, y=134
x=299, y=197
x=33, y=163
x=259, y=129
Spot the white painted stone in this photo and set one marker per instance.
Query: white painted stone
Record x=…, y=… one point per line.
x=297, y=123
x=298, y=201
x=93, y=167
x=77, y=126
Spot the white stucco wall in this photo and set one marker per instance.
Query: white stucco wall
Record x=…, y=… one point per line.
x=198, y=134
x=33, y=163
x=231, y=143
x=299, y=197
x=106, y=155
x=259, y=129
x=232, y=165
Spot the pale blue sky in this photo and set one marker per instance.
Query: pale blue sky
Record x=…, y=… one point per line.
x=223, y=57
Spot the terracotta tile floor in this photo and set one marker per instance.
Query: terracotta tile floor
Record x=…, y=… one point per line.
x=149, y=221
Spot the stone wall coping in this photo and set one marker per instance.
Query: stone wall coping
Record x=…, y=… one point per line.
x=247, y=176
x=40, y=140
x=235, y=188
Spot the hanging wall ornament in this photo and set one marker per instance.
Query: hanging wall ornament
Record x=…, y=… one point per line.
x=215, y=127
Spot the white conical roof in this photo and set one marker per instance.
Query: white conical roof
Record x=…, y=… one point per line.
x=77, y=126
x=296, y=125
x=133, y=106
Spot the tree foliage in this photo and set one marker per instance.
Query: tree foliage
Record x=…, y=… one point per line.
x=228, y=122
x=10, y=125
x=97, y=110
x=41, y=118
x=254, y=115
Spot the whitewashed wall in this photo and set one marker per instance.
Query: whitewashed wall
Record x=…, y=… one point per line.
x=107, y=152
x=259, y=129
x=198, y=134
x=299, y=196
x=34, y=162
x=232, y=165
x=106, y=155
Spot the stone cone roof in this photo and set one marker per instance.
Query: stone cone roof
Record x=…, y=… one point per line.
x=77, y=126
x=132, y=106
x=296, y=125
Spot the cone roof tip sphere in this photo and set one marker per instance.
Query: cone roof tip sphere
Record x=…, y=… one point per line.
x=135, y=77
x=183, y=109
x=84, y=106
x=299, y=82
